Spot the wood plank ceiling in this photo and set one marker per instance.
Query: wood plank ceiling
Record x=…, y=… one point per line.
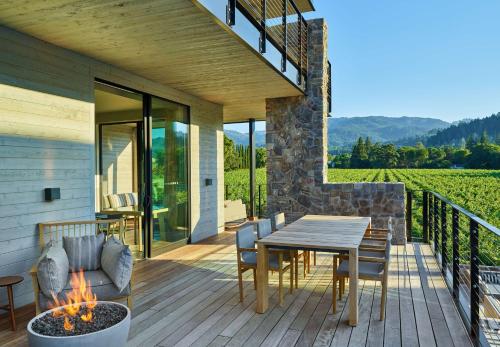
x=173, y=42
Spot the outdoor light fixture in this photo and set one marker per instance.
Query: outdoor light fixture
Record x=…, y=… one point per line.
x=52, y=194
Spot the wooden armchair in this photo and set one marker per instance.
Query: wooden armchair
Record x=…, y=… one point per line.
x=373, y=265
x=55, y=231
x=247, y=260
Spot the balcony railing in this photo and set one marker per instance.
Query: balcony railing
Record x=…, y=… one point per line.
x=280, y=23
x=466, y=248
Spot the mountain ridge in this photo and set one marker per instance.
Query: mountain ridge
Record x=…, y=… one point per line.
x=344, y=131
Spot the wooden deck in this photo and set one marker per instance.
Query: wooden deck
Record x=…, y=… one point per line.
x=190, y=297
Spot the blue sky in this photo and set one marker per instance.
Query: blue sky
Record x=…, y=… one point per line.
x=429, y=58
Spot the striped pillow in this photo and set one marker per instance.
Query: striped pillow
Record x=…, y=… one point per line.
x=84, y=252
x=116, y=200
x=131, y=199
x=105, y=202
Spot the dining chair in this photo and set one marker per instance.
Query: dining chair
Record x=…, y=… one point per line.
x=374, y=238
x=247, y=260
x=278, y=223
x=264, y=229
x=373, y=266
x=372, y=244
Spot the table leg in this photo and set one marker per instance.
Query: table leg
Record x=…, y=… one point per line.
x=11, y=308
x=262, y=278
x=136, y=231
x=353, y=287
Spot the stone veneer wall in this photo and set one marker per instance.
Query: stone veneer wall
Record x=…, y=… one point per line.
x=296, y=139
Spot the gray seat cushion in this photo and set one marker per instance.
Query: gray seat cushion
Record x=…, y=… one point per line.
x=250, y=258
x=365, y=269
x=52, y=269
x=117, y=262
x=101, y=285
x=84, y=252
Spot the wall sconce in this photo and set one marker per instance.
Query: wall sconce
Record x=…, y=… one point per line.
x=52, y=194
x=208, y=182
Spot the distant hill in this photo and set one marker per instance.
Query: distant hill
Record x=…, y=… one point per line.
x=242, y=138
x=456, y=133
x=344, y=131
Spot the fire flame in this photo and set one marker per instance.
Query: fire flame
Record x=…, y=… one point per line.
x=67, y=324
x=81, y=292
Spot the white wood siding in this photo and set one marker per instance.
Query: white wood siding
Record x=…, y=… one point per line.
x=47, y=140
x=118, y=162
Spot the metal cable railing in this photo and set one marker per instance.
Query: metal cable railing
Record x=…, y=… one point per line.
x=467, y=250
x=279, y=23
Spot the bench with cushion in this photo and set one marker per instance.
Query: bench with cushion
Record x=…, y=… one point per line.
x=235, y=214
x=89, y=246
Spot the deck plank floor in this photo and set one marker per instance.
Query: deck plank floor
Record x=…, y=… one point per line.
x=189, y=297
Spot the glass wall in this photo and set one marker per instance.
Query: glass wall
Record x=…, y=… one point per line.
x=118, y=117
x=169, y=149
x=143, y=152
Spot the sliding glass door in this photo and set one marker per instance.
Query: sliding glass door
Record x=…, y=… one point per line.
x=169, y=151
x=145, y=141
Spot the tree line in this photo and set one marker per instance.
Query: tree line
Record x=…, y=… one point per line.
x=472, y=153
x=238, y=156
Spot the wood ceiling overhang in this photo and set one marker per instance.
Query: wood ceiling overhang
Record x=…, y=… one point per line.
x=173, y=42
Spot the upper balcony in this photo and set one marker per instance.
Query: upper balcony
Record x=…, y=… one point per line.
x=184, y=44
x=275, y=28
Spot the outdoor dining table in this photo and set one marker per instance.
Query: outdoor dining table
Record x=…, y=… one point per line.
x=322, y=233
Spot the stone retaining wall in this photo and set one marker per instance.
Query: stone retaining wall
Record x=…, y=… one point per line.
x=296, y=140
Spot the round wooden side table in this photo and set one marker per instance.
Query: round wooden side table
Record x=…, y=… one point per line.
x=8, y=282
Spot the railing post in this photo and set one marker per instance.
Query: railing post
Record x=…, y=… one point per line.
x=425, y=216
x=252, y=154
x=260, y=210
x=474, y=278
x=284, y=55
x=431, y=219
x=456, y=254
x=262, y=40
x=231, y=12
x=408, y=215
x=299, y=72
x=444, y=239
x=435, y=214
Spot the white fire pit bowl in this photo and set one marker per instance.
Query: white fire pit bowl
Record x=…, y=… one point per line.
x=115, y=335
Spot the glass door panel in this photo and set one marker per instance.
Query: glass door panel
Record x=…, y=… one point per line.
x=119, y=117
x=169, y=150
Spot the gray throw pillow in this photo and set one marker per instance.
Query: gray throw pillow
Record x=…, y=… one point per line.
x=52, y=269
x=116, y=262
x=84, y=252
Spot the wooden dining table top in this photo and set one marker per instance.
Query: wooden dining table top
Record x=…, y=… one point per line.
x=320, y=232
